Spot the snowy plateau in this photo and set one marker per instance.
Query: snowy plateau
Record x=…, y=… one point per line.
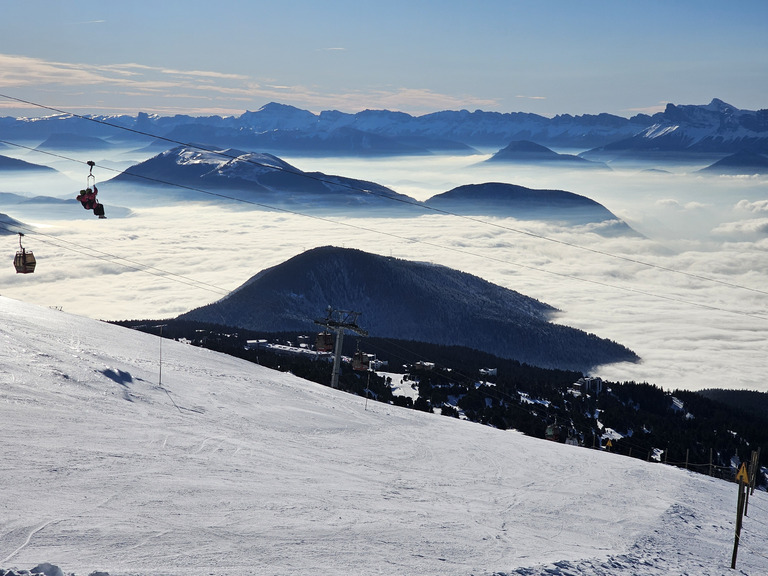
x=130, y=455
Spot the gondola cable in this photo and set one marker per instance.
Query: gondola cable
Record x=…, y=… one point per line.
x=436, y=245
x=391, y=198
x=113, y=259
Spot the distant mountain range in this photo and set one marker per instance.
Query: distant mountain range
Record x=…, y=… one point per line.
x=258, y=177
x=528, y=204
x=14, y=164
x=266, y=179
x=410, y=301
x=743, y=162
x=343, y=141
x=33, y=207
x=187, y=173
x=716, y=128
x=70, y=141
x=9, y=225
x=527, y=152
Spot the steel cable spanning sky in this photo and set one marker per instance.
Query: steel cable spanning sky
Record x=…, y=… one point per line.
x=181, y=278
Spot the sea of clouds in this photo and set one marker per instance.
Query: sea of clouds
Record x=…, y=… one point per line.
x=689, y=294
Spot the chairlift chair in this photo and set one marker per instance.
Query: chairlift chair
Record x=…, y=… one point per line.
x=360, y=361
x=324, y=342
x=88, y=196
x=552, y=432
x=24, y=261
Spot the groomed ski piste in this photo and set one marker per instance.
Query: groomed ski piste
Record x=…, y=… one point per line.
x=125, y=456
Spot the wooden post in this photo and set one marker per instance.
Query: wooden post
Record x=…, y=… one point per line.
x=739, y=515
x=710, y=461
x=686, y=457
x=753, y=469
x=751, y=472
x=746, y=500
x=743, y=480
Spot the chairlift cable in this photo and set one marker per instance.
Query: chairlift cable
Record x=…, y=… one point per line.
x=400, y=200
x=434, y=244
x=194, y=283
x=118, y=260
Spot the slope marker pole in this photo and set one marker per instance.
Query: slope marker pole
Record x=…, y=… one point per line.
x=160, y=371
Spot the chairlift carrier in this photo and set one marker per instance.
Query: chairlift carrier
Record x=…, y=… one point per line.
x=24, y=261
x=553, y=432
x=88, y=196
x=324, y=342
x=360, y=361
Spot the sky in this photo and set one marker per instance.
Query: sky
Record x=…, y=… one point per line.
x=547, y=57
x=221, y=466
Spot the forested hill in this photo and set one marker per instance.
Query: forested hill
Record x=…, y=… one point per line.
x=749, y=401
x=411, y=301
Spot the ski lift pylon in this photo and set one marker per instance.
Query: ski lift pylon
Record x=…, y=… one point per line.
x=24, y=261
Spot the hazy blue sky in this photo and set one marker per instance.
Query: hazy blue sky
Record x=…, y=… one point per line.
x=544, y=56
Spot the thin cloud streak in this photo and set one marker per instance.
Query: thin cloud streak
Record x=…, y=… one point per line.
x=650, y=110
x=229, y=90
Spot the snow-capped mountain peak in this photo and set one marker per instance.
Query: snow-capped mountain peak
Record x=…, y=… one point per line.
x=658, y=130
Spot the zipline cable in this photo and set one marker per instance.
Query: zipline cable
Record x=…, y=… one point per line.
x=392, y=198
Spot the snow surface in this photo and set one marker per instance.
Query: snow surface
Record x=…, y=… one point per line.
x=231, y=468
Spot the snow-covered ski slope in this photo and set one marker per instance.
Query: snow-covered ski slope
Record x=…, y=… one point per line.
x=230, y=468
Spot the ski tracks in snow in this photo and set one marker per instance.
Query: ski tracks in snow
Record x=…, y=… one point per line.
x=28, y=540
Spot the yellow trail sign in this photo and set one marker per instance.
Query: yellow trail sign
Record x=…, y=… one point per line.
x=741, y=475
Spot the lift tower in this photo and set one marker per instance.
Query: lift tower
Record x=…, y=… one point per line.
x=338, y=321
